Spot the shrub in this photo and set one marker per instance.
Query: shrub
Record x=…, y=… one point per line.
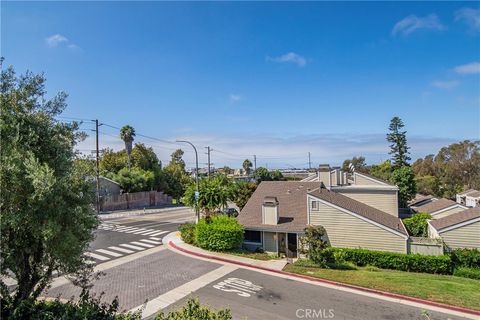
x=469, y=258
x=322, y=257
x=220, y=233
x=193, y=310
x=395, y=261
x=312, y=242
x=471, y=273
x=87, y=307
x=188, y=232
x=417, y=225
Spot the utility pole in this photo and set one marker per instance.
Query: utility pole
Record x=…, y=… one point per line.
x=309, y=162
x=208, y=153
x=254, y=162
x=97, y=166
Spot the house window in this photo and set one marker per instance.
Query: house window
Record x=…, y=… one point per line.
x=315, y=205
x=253, y=236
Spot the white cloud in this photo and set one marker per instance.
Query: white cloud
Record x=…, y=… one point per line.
x=235, y=97
x=445, y=84
x=55, y=40
x=469, y=68
x=59, y=40
x=291, y=57
x=470, y=16
x=413, y=23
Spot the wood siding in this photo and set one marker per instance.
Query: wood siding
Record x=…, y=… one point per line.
x=384, y=200
x=447, y=213
x=363, y=181
x=347, y=231
x=269, y=243
x=463, y=237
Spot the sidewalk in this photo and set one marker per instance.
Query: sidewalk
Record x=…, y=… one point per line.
x=138, y=212
x=174, y=237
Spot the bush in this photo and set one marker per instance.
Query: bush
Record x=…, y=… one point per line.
x=313, y=241
x=417, y=225
x=395, y=261
x=220, y=233
x=193, y=310
x=188, y=232
x=469, y=258
x=471, y=273
x=322, y=257
x=87, y=307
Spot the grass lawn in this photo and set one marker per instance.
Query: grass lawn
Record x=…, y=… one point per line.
x=252, y=255
x=440, y=288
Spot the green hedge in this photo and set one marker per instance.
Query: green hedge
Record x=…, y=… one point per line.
x=389, y=260
x=471, y=273
x=220, y=233
x=187, y=232
x=417, y=225
x=468, y=258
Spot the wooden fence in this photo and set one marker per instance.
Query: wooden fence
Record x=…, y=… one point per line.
x=134, y=200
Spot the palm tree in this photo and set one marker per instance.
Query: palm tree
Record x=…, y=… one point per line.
x=127, y=133
x=247, y=164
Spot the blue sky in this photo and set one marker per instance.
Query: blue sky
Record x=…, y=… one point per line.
x=273, y=79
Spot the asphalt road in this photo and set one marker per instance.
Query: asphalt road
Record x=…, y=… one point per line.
x=127, y=235
x=253, y=295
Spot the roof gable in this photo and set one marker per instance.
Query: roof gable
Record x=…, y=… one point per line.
x=457, y=218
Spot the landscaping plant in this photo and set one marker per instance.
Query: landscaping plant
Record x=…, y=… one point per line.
x=187, y=231
x=417, y=225
x=219, y=233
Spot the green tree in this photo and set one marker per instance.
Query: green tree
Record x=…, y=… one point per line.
x=404, y=179
x=417, y=225
x=145, y=158
x=358, y=162
x=262, y=174
x=243, y=192
x=46, y=204
x=214, y=194
x=177, y=159
x=428, y=185
x=247, y=166
x=127, y=134
x=112, y=162
x=277, y=175
x=382, y=171
x=425, y=167
x=174, y=176
x=398, y=143
x=134, y=180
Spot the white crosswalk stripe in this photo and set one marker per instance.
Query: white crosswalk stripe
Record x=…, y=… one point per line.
x=158, y=233
x=120, y=249
x=126, y=245
x=97, y=256
x=154, y=238
x=150, y=241
x=142, y=244
x=149, y=232
x=110, y=253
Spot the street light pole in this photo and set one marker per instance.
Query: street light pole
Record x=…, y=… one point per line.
x=197, y=193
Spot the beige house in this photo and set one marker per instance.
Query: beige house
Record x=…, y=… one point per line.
x=353, y=217
x=458, y=230
x=439, y=208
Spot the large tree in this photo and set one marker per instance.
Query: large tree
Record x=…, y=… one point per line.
x=398, y=143
x=404, y=179
x=358, y=163
x=243, y=192
x=127, y=134
x=46, y=203
x=175, y=177
x=247, y=166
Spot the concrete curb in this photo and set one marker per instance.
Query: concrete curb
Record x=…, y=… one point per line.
x=330, y=282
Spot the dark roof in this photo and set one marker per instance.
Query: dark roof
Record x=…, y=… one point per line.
x=420, y=198
x=292, y=208
x=361, y=209
x=456, y=218
x=434, y=206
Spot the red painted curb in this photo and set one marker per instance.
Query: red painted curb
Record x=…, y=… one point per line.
x=340, y=284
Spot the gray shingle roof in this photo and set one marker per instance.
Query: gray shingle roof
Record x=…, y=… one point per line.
x=456, y=218
x=434, y=206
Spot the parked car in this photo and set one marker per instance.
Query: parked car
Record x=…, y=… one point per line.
x=231, y=212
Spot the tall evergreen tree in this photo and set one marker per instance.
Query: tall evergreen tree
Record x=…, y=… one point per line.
x=398, y=143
